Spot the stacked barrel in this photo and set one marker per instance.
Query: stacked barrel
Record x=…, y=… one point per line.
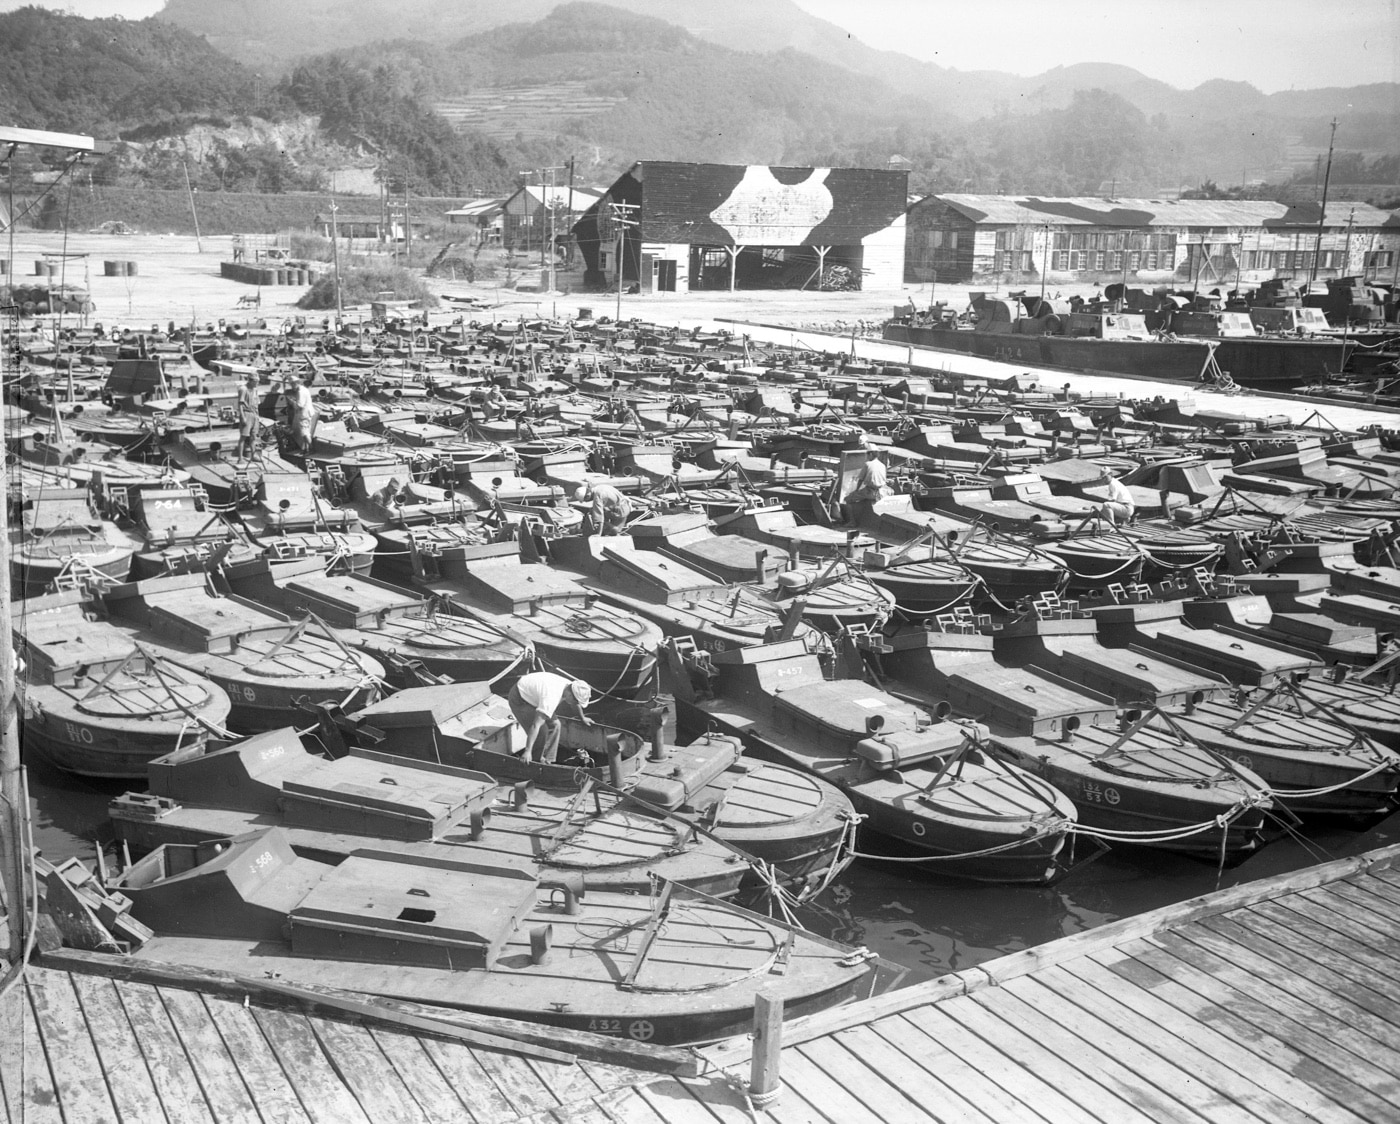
x=282, y=273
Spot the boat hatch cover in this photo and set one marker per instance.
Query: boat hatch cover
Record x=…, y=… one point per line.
x=844, y=705
x=387, y=908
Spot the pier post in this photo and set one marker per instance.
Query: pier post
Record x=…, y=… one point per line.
x=765, y=1083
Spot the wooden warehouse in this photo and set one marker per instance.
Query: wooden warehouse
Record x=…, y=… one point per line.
x=1210, y=242
x=731, y=226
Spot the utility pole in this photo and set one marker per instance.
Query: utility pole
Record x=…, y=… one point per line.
x=199, y=248
x=621, y=214
x=1322, y=211
x=335, y=260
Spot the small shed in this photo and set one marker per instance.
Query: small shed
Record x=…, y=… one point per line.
x=538, y=214
x=485, y=215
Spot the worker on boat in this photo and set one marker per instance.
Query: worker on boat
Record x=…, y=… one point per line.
x=1119, y=507
x=493, y=406
x=611, y=509
x=389, y=495
x=303, y=414
x=248, y=416
x=873, y=482
x=534, y=700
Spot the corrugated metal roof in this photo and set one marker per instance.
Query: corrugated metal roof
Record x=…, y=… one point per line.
x=477, y=207
x=1029, y=210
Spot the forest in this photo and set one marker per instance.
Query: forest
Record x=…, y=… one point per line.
x=167, y=104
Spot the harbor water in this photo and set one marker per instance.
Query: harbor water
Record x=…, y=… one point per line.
x=927, y=924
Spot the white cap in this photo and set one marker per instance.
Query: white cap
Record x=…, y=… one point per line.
x=584, y=491
x=583, y=693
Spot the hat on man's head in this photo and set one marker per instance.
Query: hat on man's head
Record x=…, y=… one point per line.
x=583, y=693
x=585, y=491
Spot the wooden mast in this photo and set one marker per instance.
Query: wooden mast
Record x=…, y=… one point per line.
x=14, y=806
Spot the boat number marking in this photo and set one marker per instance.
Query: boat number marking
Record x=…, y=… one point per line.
x=272, y=751
x=641, y=1030
x=167, y=505
x=782, y=671
x=714, y=645
x=1101, y=794
x=78, y=733
x=263, y=860
x=605, y=1026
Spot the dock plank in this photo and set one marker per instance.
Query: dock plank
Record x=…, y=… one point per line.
x=68, y=1045
x=1196, y=1051
x=1323, y=1031
x=1259, y=1030
x=1325, y=946
x=1017, y=1082
x=722, y=1096
x=824, y=1092
x=39, y=1102
x=1328, y=928
x=421, y=1075
x=1091, y=1100
x=1098, y=1049
x=520, y=1085
x=1312, y=981
x=318, y=1086
x=1324, y=911
x=675, y=1103
x=218, y=1075
x=128, y=1079
x=568, y=1082
x=843, y=1065
x=918, y=1083
x=1368, y=903
x=159, y=1042
x=258, y=1065
x=13, y=1006
x=627, y=1106
x=933, y=1057
x=458, y=1065
x=1264, y=1068
x=367, y=1072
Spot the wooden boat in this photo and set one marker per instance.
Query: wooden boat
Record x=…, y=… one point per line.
x=798, y=824
x=614, y=651
x=915, y=780
x=833, y=597
x=371, y=616
x=1312, y=759
x=679, y=600
x=493, y=939
x=93, y=704
x=328, y=809
x=1135, y=782
x=268, y=663
x=56, y=531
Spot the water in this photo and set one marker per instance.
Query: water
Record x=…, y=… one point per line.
x=927, y=924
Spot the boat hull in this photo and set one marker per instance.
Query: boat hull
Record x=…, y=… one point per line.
x=1169, y=361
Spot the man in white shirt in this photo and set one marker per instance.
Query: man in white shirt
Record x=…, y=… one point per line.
x=1119, y=507
x=534, y=700
x=873, y=482
x=611, y=509
x=303, y=414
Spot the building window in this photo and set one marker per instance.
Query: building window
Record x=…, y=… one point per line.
x=1380, y=258
x=1061, y=261
x=935, y=239
x=1027, y=261
x=952, y=239
x=1098, y=260
x=1150, y=260
x=1115, y=260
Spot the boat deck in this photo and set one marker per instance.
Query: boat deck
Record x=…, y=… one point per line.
x=1269, y=1002
x=91, y=1048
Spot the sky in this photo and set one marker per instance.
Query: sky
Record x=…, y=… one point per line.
x=1272, y=44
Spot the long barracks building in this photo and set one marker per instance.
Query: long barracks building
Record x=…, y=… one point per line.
x=1206, y=242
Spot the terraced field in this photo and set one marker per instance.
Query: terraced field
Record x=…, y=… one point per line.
x=530, y=111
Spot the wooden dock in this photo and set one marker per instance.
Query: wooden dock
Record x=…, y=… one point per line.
x=1275, y=1002
x=79, y=1048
